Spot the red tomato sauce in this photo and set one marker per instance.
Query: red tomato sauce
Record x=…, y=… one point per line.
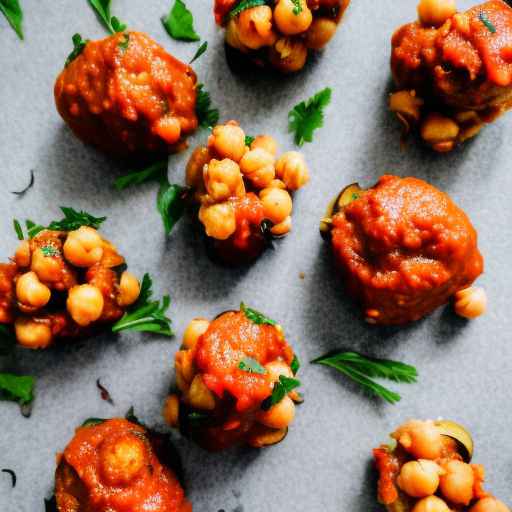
x=388, y=467
x=7, y=273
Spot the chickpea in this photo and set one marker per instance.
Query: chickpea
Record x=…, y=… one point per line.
x=422, y=439
x=194, y=172
x=277, y=368
x=288, y=55
x=199, y=396
x=31, y=292
x=85, y=304
x=233, y=35
x=320, y=33
x=431, y=504
x=457, y=482
x=292, y=169
x=419, y=478
x=282, y=228
x=257, y=166
x=122, y=459
x=276, y=184
x=219, y=220
x=195, y=329
x=228, y=141
x=406, y=103
x=47, y=268
x=489, y=504
x=255, y=27
x=32, y=334
x=289, y=21
x=83, y=247
x=277, y=204
x=184, y=362
x=223, y=180
x=279, y=415
x=22, y=255
x=171, y=410
x=436, y=12
x=129, y=289
x=440, y=132
x=471, y=302
x=265, y=142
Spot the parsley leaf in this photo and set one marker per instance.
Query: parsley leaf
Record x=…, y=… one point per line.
x=17, y=388
x=485, y=20
x=249, y=140
x=78, y=47
x=170, y=203
x=244, y=5
x=250, y=365
x=11, y=9
x=255, y=316
x=206, y=115
x=146, y=315
x=199, y=52
x=153, y=172
x=179, y=23
x=295, y=366
x=363, y=369
x=281, y=388
x=102, y=8
x=308, y=115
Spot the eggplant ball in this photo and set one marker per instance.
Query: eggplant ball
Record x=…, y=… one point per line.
x=128, y=97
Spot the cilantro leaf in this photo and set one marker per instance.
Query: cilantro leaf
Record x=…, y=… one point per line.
x=250, y=365
x=170, y=203
x=11, y=9
x=78, y=47
x=256, y=316
x=146, y=315
x=308, y=115
x=295, y=366
x=102, y=9
x=153, y=172
x=206, y=115
x=199, y=52
x=17, y=388
x=281, y=388
x=179, y=23
x=244, y=5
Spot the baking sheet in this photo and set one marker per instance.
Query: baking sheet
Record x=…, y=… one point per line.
x=324, y=464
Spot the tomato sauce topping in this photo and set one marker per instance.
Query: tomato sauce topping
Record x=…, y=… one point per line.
x=7, y=273
x=388, y=468
x=229, y=339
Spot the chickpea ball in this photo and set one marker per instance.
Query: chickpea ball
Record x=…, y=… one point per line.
x=219, y=220
x=83, y=247
x=32, y=334
x=129, y=289
x=436, y=12
x=22, y=255
x=282, y=228
x=228, y=141
x=31, y=292
x=422, y=439
x=457, y=482
x=277, y=204
x=255, y=27
x=277, y=368
x=320, y=33
x=489, y=504
x=122, y=459
x=265, y=142
x=471, y=302
x=85, y=304
x=291, y=168
x=431, y=504
x=278, y=416
x=171, y=410
x=47, y=268
x=223, y=180
x=290, y=20
x=419, y=478
x=195, y=329
x=194, y=172
x=288, y=55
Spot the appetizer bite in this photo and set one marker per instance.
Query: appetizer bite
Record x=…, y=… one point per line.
x=127, y=96
x=65, y=281
x=427, y=468
x=117, y=465
x=279, y=33
x=243, y=191
x=404, y=248
x=235, y=379
x=452, y=70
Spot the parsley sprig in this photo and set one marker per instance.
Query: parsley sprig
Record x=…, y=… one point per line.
x=146, y=315
x=207, y=116
x=78, y=47
x=102, y=9
x=17, y=388
x=255, y=316
x=11, y=9
x=281, y=388
x=307, y=116
x=363, y=370
x=179, y=23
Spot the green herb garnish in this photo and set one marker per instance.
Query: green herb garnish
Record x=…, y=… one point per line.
x=92, y=422
x=295, y=366
x=244, y=5
x=179, y=23
x=249, y=140
x=11, y=9
x=78, y=47
x=130, y=416
x=146, y=315
x=17, y=388
x=49, y=251
x=124, y=43
x=153, y=172
x=255, y=316
x=485, y=20
x=308, y=115
x=18, y=229
x=207, y=116
x=250, y=365
x=363, y=369
x=74, y=219
x=281, y=388
x=102, y=9
x=297, y=9
x=199, y=52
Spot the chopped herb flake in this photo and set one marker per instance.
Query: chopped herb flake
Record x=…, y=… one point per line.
x=295, y=366
x=485, y=20
x=11, y=9
x=244, y=5
x=124, y=43
x=18, y=229
x=199, y=52
x=92, y=422
x=49, y=250
x=249, y=140
x=256, y=316
x=281, y=388
x=297, y=9
x=78, y=47
x=250, y=365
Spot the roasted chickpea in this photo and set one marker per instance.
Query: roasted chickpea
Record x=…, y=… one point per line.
x=283, y=227
x=265, y=142
x=31, y=292
x=47, y=268
x=32, y=334
x=199, y=396
x=228, y=141
x=471, y=302
x=223, y=180
x=289, y=19
x=288, y=55
x=456, y=483
x=85, y=304
x=489, y=504
x=320, y=33
x=276, y=184
x=22, y=255
x=277, y=204
x=171, y=410
x=258, y=167
x=440, y=132
x=218, y=220
x=436, y=12
x=419, y=478
x=255, y=27
x=407, y=104
x=83, y=247
x=422, y=439
x=195, y=329
x=277, y=368
x=233, y=35
x=278, y=416
x=194, y=172
x=431, y=504
x=129, y=289
x=291, y=168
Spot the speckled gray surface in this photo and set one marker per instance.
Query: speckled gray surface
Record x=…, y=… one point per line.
x=324, y=464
